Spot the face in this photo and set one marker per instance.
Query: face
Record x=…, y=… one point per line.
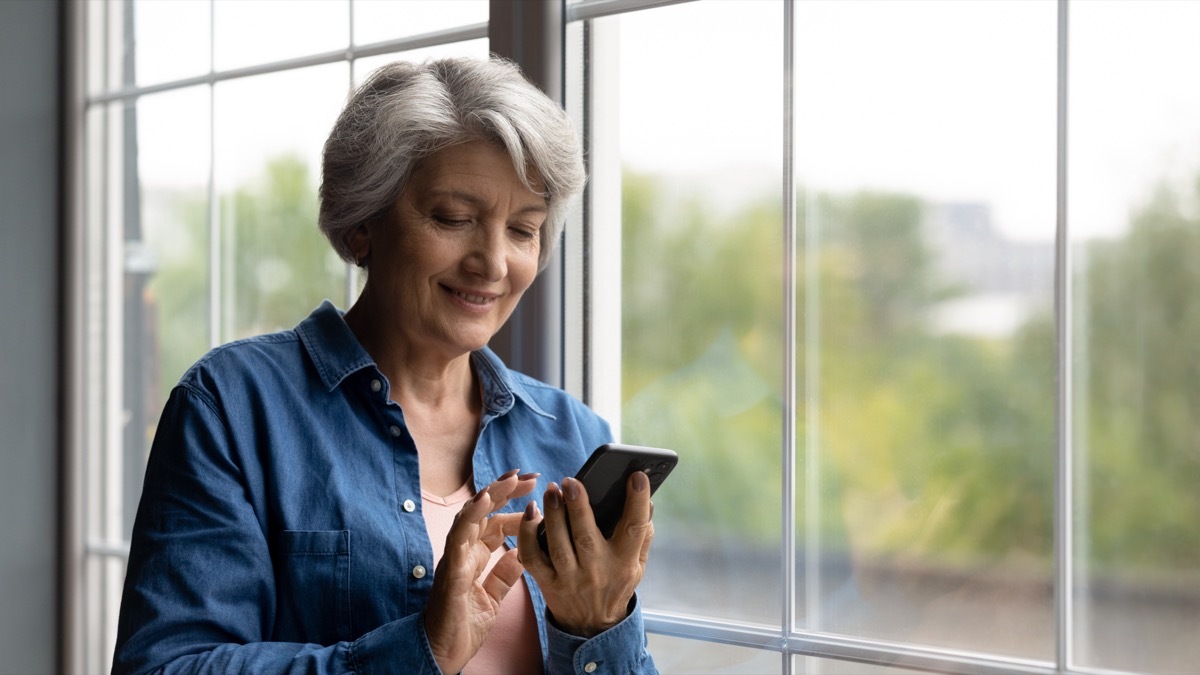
x=457, y=250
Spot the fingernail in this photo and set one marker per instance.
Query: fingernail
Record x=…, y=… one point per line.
x=530, y=510
x=640, y=481
x=509, y=474
x=553, y=497
x=571, y=488
x=528, y=476
x=479, y=495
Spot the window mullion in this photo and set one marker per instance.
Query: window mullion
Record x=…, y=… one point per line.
x=1064, y=497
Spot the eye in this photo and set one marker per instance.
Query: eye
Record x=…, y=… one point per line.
x=451, y=221
x=523, y=234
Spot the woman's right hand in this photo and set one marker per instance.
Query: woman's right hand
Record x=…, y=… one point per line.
x=463, y=603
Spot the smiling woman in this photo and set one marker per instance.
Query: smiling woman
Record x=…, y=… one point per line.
x=318, y=468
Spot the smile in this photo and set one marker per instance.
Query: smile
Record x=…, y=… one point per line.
x=471, y=298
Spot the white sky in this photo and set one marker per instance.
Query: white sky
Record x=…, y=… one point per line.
x=947, y=100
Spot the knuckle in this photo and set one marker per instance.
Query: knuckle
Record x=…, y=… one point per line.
x=560, y=558
x=585, y=542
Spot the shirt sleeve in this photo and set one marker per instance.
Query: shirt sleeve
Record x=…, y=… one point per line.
x=620, y=649
x=200, y=592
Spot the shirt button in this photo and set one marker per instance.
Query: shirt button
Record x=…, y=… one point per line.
x=376, y=385
x=419, y=571
x=395, y=430
x=409, y=505
x=590, y=667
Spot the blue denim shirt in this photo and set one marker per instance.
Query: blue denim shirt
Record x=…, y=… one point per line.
x=280, y=527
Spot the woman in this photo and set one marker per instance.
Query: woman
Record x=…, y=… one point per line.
x=303, y=486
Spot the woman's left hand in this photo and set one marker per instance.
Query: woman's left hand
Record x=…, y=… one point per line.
x=463, y=603
x=588, y=580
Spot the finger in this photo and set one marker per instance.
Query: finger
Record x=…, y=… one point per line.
x=558, y=535
x=529, y=551
x=503, y=576
x=511, y=486
x=644, y=554
x=631, y=530
x=585, y=535
x=498, y=527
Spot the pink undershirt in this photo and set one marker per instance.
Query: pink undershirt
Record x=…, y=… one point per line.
x=512, y=646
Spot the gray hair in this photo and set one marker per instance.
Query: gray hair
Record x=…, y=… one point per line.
x=405, y=112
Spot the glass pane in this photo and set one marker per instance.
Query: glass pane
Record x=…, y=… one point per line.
x=163, y=51
x=812, y=665
x=249, y=32
x=477, y=49
x=679, y=655
x=925, y=153
x=275, y=265
x=379, y=20
x=701, y=298
x=166, y=251
x=1134, y=205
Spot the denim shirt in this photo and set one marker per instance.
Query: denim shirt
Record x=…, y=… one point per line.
x=280, y=527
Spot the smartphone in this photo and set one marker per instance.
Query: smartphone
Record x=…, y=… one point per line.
x=605, y=474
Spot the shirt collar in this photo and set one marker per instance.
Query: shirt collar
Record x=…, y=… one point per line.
x=336, y=353
x=331, y=345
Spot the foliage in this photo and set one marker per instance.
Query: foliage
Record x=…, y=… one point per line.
x=928, y=446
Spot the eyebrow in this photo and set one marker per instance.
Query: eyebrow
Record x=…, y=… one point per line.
x=478, y=202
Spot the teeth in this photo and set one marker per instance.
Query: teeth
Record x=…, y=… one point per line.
x=474, y=299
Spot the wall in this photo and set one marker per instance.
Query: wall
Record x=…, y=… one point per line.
x=29, y=233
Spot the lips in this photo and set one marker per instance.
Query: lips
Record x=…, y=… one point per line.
x=474, y=298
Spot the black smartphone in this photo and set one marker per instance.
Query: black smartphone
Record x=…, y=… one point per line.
x=605, y=474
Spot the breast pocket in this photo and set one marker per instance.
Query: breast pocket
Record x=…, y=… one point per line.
x=312, y=573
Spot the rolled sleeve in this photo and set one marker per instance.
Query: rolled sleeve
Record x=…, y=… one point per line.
x=618, y=650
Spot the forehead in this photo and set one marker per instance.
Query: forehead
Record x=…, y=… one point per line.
x=476, y=166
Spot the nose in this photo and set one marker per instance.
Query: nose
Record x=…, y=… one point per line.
x=488, y=257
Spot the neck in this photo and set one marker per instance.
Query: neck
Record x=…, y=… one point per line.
x=418, y=374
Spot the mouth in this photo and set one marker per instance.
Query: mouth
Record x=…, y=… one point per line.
x=474, y=300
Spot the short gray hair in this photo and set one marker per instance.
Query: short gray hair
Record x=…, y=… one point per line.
x=405, y=112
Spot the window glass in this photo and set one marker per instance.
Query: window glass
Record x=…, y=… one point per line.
x=926, y=438
x=163, y=51
x=680, y=655
x=249, y=32
x=379, y=20
x=812, y=665
x=1134, y=209
x=699, y=136
x=275, y=265
x=473, y=48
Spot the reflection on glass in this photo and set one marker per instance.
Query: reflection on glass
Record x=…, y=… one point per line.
x=926, y=436
x=249, y=32
x=699, y=139
x=379, y=20
x=679, y=655
x=1134, y=197
x=275, y=266
x=164, y=52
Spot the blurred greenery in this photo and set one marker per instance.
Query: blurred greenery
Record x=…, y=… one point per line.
x=275, y=265
x=933, y=447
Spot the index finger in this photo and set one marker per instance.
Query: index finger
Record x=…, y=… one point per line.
x=634, y=526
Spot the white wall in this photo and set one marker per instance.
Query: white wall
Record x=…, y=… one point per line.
x=29, y=319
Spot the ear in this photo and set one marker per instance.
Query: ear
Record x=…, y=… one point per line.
x=359, y=242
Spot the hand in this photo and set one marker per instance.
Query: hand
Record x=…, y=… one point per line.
x=588, y=581
x=463, y=604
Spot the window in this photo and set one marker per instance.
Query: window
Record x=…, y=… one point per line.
x=905, y=283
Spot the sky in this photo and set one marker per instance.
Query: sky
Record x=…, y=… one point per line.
x=953, y=101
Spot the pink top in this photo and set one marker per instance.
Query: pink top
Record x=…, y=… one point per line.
x=512, y=646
